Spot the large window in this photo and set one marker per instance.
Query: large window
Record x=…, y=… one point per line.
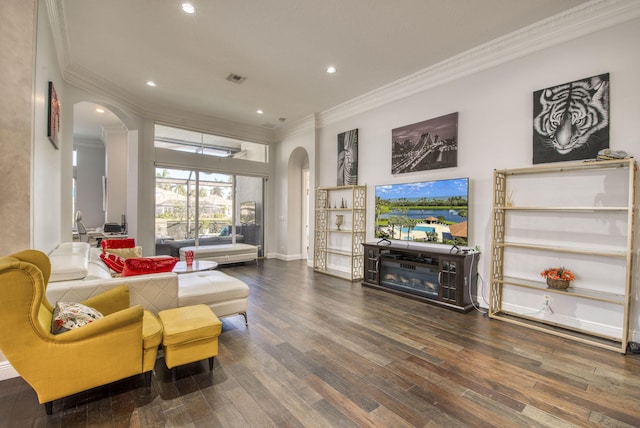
x=183, y=140
x=209, y=190
x=207, y=208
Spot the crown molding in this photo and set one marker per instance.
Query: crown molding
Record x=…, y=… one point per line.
x=55, y=13
x=92, y=83
x=582, y=20
x=297, y=127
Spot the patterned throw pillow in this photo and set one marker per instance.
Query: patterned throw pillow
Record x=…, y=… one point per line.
x=126, y=253
x=113, y=261
x=67, y=316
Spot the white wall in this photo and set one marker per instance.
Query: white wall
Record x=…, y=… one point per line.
x=115, y=142
x=89, y=173
x=132, y=183
x=495, y=125
x=282, y=242
x=46, y=172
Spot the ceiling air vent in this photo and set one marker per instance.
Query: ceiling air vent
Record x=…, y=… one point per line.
x=236, y=78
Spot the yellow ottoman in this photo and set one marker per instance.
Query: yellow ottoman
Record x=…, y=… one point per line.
x=190, y=334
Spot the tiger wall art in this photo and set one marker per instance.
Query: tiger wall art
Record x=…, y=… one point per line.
x=571, y=121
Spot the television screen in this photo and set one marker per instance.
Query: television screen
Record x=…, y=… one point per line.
x=248, y=212
x=425, y=211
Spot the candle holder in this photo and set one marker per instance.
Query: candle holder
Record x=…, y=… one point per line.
x=339, y=220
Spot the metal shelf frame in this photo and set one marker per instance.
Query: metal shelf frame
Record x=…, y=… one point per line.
x=344, y=245
x=503, y=208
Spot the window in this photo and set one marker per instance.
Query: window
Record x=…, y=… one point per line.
x=199, y=208
x=183, y=140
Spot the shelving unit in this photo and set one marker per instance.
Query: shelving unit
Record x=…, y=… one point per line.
x=338, y=249
x=579, y=215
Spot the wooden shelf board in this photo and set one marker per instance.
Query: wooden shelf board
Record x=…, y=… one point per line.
x=618, y=299
x=556, y=208
x=569, y=166
x=560, y=249
x=339, y=274
x=613, y=344
x=339, y=209
x=340, y=252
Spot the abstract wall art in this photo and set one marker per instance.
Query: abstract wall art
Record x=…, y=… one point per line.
x=53, y=117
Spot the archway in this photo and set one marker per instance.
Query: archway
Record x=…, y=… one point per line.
x=100, y=142
x=298, y=202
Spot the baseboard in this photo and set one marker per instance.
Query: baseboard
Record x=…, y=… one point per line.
x=285, y=257
x=7, y=371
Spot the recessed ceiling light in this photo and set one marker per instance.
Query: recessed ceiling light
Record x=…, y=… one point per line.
x=259, y=111
x=100, y=110
x=151, y=83
x=331, y=69
x=188, y=8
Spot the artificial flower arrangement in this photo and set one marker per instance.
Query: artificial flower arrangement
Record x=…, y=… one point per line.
x=559, y=273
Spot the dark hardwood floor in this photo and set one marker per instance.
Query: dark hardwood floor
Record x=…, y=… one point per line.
x=323, y=352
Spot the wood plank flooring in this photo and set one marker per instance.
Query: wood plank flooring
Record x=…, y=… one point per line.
x=323, y=352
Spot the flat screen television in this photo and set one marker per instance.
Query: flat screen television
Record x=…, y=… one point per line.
x=248, y=212
x=424, y=211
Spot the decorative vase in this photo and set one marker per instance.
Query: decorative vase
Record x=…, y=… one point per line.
x=339, y=220
x=560, y=284
x=188, y=255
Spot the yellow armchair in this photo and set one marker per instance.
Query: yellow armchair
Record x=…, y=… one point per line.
x=122, y=344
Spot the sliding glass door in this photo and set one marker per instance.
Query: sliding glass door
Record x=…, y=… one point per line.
x=207, y=208
x=249, y=210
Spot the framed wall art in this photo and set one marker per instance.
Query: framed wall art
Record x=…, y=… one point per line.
x=431, y=144
x=348, y=158
x=53, y=117
x=571, y=121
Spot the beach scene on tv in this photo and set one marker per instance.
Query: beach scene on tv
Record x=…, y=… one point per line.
x=425, y=211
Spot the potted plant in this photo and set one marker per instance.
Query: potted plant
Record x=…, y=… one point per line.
x=558, y=277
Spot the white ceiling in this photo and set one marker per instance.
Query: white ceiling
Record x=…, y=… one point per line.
x=88, y=123
x=283, y=47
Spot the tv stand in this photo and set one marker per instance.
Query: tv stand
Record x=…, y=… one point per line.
x=429, y=274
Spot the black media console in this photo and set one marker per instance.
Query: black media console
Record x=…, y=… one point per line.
x=433, y=275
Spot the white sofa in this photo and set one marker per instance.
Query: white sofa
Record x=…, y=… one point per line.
x=77, y=273
x=225, y=253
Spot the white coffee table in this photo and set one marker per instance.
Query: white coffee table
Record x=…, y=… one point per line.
x=197, y=266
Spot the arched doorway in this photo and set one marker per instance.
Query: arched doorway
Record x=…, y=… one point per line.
x=100, y=141
x=298, y=202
